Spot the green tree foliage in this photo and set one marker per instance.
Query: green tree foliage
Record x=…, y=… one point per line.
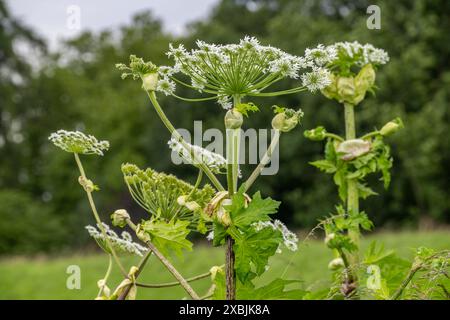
x=77, y=87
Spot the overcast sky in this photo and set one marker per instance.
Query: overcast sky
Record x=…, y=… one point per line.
x=56, y=19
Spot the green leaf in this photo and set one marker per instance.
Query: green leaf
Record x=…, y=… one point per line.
x=220, y=286
x=168, y=236
x=257, y=210
x=364, y=191
x=375, y=253
x=253, y=251
x=360, y=219
x=220, y=232
x=244, y=108
x=324, y=165
x=275, y=290
x=340, y=180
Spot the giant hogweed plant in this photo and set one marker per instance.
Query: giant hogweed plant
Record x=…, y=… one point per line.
x=226, y=213
x=350, y=160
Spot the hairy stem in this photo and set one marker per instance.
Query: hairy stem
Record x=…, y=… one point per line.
x=352, y=188
x=97, y=217
x=233, y=139
x=168, y=265
x=405, y=282
x=264, y=161
x=177, y=136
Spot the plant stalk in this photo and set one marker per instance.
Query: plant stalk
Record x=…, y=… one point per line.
x=97, y=217
x=352, y=188
x=141, y=266
x=168, y=265
x=264, y=161
x=176, y=135
x=232, y=141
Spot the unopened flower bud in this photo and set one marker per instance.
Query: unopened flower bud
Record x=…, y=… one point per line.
x=233, y=119
x=330, y=91
x=351, y=149
x=287, y=120
x=391, y=127
x=316, y=134
x=222, y=214
x=87, y=184
x=192, y=206
x=149, y=81
x=365, y=78
x=345, y=88
x=119, y=218
x=336, y=264
x=181, y=200
x=214, y=270
x=141, y=234
x=329, y=237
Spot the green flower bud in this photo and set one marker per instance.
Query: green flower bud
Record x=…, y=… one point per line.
x=345, y=89
x=192, y=206
x=330, y=91
x=317, y=134
x=233, y=119
x=329, y=237
x=336, y=264
x=391, y=127
x=287, y=120
x=87, y=184
x=214, y=270
x=119, y=218
x=149, y=81
x=222, y=214
x=365, y=78
x=141, y=234
x=352, y=149
x=181, y=200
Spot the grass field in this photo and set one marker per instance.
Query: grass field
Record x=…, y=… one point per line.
x=45, y=278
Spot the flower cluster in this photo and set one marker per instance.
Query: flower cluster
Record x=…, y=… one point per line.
x=160, y=193
x=78, y=142
x=351, y=54
x=123, y=244
x=246, y=68
x=196, y=155
x=290, y=240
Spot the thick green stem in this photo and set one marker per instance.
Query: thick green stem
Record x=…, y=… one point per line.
x=177, y=136
x=97, y=217
x=352, y=190
x=232, y=142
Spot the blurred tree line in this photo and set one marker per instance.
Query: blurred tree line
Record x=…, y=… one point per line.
x=41, y=205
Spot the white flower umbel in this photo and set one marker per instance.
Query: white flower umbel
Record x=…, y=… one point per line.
x=290, y=240
x=78, y=142
x=166, y=86
x=196, y=154
x=320, y=55
x=123, y=244
x=246, y=68
x=358, y=54
x=317, y=79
